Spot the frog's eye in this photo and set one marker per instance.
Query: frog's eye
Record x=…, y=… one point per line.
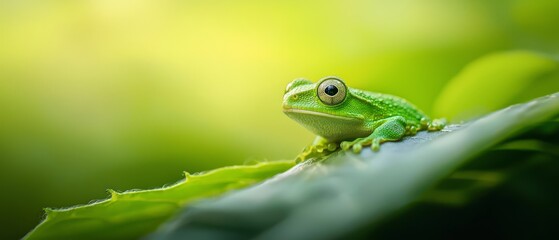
x=331, y=91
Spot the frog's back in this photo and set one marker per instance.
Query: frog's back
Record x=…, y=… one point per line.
x=385, y=105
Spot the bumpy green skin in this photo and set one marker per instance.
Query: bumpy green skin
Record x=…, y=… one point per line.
x=363, y=118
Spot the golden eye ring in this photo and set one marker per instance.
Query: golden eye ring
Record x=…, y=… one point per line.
x=331, y=91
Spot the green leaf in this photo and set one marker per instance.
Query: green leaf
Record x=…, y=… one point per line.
x=495, y=81
x=351, y=195
x=508, y=192
x=132, y=214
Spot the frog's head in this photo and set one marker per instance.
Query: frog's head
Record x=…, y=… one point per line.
x=326, y=95
x=324, y=107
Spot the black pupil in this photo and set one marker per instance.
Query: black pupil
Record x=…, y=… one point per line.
x=331, y=90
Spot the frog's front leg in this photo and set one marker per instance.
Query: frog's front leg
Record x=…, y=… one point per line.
x=388, y=129
x=319, y=148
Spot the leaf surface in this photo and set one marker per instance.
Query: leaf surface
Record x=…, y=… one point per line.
x=347, y=193
x=132, y=214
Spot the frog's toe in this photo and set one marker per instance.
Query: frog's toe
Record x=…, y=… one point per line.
x=316, y=151
x=437, y=124
x=332, y=146
x=345, y=145
x=375, y=145
x=357, y=147
x=319, y=148
x=413, y=130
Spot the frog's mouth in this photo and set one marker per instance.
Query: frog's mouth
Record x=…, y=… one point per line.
x=332, y=127
x=318, y=114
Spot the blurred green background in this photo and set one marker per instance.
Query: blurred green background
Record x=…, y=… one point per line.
x=128, y=94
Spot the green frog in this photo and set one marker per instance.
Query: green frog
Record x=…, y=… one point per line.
x=349, y=118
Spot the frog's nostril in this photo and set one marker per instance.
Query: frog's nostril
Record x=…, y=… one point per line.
x=294, y=96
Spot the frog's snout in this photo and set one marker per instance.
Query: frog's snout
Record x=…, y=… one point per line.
x=286, y=107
